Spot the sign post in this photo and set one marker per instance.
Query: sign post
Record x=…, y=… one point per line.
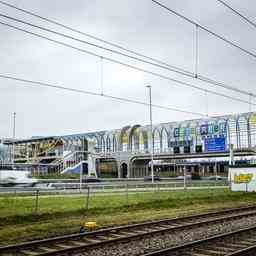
x=13, y=137
x=81, y=176
x=231, y=154
x=185, y=176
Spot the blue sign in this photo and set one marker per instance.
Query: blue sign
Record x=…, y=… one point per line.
x=214, y=144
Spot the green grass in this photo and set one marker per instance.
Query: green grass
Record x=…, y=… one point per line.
x=60, y=214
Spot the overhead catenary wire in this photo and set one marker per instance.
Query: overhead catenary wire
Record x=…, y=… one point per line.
x=250, y=53
x=176, y=69
x=125, y=64
x=118, y=46
x=238, y=13
x=92, y=44
x=60, y=87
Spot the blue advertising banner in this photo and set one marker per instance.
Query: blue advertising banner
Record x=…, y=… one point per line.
x=214, y=144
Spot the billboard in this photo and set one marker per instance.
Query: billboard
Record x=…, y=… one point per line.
x=214, y=144
x=208, y=129
x=213, y=129
x=242, y=178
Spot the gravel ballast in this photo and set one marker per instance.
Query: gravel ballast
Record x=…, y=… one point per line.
x=168, y=239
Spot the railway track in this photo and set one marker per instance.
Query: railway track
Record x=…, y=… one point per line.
x=69, y=244
x=238, y=243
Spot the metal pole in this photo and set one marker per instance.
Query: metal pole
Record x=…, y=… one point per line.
x=81, y=176
x=151, y=131
x=87, y=198
x=36, y=203
x=127, y=194
x=215, y=170
x=13, y=137
x=231, y=154
x=185, y=176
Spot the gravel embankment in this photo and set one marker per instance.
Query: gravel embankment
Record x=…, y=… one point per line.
x=148, y=244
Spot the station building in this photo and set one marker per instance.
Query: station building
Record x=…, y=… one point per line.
x=202, y=145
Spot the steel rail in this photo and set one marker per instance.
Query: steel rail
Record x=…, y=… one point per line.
x=244, y=252
x=211, y=242
x=130, y=232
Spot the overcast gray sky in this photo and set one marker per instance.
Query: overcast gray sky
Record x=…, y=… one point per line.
x=136, y=24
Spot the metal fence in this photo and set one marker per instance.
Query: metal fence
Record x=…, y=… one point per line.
x=34, y=199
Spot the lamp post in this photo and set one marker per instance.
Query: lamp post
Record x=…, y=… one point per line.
x=151, y=132
x=13, y=136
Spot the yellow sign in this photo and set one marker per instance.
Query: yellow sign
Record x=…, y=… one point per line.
x=243, y=178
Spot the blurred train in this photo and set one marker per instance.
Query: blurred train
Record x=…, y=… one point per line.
x=16, y=178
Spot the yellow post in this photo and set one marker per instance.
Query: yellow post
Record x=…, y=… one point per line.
x=90, y=225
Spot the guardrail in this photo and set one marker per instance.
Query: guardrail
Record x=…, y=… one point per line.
x=76, y=187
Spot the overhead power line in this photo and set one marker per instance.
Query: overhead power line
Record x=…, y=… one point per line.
x=60, y=87
x=127, y=65
x=172, y=67
x=89, y=35
x=237, y=13
x=95, y=45
x=205, y=29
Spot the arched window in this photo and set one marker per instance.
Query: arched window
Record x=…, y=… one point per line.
x=143, y=141
x=108, y=144
x=252, y=126
x=164, y=139
x=102, y=144
x=97, y=144
x=232, y=132
x=134, y=137
x=114, y=143
x=156, y=141
x=124, y=141
x=243, y=132
x=76, y=144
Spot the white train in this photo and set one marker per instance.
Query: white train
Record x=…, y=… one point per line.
x=9, y=178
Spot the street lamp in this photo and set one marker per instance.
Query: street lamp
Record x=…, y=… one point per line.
x=13, y=136
x=151, y=131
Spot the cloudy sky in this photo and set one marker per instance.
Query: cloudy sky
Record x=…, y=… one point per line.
x=138, y=25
